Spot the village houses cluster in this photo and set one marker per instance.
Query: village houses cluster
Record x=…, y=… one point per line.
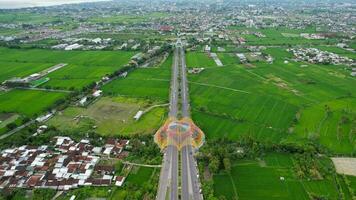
x=313, y=55
x=62, y=166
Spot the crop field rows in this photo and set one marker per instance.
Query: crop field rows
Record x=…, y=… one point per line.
x=272, y=176
x=28, y=102
x=151, y=83
x=84, y=67
x=271, y=101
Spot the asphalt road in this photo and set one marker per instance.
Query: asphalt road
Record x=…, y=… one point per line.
x=184, y=85
x=168, y=183
x=169, y=177
x=174, y=94
x=190, y=176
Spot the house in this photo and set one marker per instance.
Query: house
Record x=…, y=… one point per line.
x=73, y=47
x=83, y=101
x=207, y=48
x=97, y=93
x=138, y=115
x=119, y=180
x=44, y=118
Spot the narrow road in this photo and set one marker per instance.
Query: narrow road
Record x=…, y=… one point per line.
x=44, y=89
x=142, y=165
x=16, y=129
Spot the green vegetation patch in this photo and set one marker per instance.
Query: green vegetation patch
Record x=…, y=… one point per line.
x=28, y=102
x=111, y=116
x=84, y=67
x=11, y=69
x=272, y=102
x=197, y=59
x=273, y=177
x=150, y=83
x=39, y=82
x=140, y=175
x=128, y=19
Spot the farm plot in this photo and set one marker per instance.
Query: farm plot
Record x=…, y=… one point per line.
x=240, y=104
x=331, y=123
x=77, y=76
x=140, y=175
x=111, y=116
x=228, y=58
x=18, y=69
x=272, y=177
x=272, y=101
x=198, y=59
x=28, y=102
x=83, y=67
x=150, y=83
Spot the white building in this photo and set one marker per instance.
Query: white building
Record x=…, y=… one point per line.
x=73, y=47
x=138, y=115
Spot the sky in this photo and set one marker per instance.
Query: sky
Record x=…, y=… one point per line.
x=8, y=4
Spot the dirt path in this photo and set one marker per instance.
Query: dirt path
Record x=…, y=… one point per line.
x=142, y=165
x=220, y=87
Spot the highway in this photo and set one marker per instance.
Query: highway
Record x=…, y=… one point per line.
x=168, y=183
x=169, y=178
x=190, y=178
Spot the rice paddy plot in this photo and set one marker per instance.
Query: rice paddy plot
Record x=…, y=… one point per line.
x=39, y=82
x=11, y=69
x=228, y=58
x=84, y=67
x=273, y=176
x=28, y=102
x=198, y=59
x=140, y=175
x=150, y=83
x=78, y=76
x=83, y=58
x=330, y=123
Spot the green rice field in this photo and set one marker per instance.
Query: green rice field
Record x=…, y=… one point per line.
x=273, y=177
x=197, y=59
x=271, y=102
x=151, y=83
x=84, y=67
x=28, y=102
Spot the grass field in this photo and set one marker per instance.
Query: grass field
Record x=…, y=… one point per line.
x=19, y=69
x=128, y=19
x=84, y=67
x=195, y=59
x=28, y=102
x=141, y=175
x=112, y=116
x=258, y=179
x=27, y=17
x=151, y=83
x=269, y=101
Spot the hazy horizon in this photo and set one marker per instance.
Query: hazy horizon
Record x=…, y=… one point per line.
x=14, y=4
